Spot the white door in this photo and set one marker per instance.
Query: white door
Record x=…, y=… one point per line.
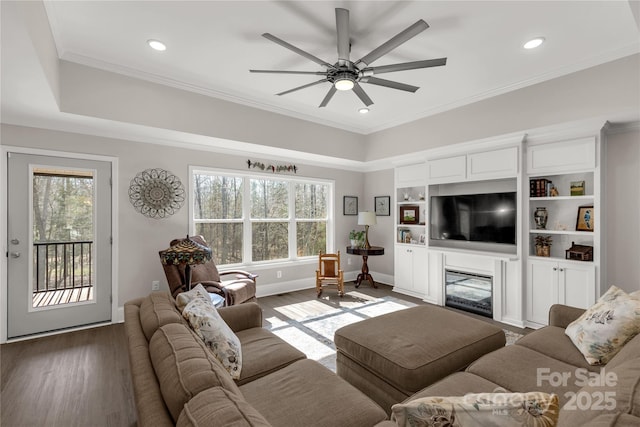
x=59, y=232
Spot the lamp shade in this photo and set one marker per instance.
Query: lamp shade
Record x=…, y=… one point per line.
x=367, y=218
x=186, y=252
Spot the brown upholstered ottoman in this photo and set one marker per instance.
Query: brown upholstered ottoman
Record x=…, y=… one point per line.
x=391, y=357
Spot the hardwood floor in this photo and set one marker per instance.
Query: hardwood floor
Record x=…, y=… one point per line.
x=77, y=378
x=82, y=378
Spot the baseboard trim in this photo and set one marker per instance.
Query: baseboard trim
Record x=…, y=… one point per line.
x=265, y=290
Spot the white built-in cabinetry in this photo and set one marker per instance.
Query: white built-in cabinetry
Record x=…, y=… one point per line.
x=554, y=279
x=410, y=265
x=491, y=164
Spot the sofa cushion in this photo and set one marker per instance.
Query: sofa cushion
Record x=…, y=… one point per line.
x=614, y=390
x=158, y=309
x=471, y=410
x=458, y=384
x=216, y=334
x=219, y=407
x=606, y=326
x=631, y=350
x=307, y=393
x=521, y=369
x=552, y=341
x=263, y=352
x=184, y=366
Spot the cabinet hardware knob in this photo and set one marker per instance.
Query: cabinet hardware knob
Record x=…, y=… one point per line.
x=555, y=269
x=15, y=241
x=15, y=254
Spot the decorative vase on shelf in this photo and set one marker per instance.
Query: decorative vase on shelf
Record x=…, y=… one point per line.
x=540, y=217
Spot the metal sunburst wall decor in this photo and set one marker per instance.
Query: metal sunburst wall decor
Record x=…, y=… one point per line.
x=156, y=193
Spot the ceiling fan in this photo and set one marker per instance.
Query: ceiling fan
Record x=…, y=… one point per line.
x=346, y=74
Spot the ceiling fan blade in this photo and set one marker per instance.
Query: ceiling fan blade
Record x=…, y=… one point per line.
x=408, y=66
x=296, y=50
x=301, y=87
x=392, y=43
x=342, y=27
x=357, y=89
x=317, y=73
x=328, y=97
x=388, y=83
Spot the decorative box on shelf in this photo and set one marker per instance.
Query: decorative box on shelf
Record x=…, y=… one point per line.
x=580, y=252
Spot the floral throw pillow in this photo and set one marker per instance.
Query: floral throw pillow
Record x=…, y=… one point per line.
x=606, y=327
x=198, y=291
x=216, y=334
x=481, y=409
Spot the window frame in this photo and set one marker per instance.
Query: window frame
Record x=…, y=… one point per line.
x=247, y=221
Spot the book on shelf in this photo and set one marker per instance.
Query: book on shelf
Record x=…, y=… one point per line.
x=404, y=235
x=540, y=187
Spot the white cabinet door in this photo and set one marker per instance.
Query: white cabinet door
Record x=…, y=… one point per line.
x=403, y=268
x=410, y=176
x=493, y=164
x=411, y=271
x=542, y=290
x=577, y=285
x=451, y=169
x=562, y=157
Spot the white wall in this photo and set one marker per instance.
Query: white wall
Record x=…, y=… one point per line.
x=140, y=238
x=622, y=193
x=380, y=183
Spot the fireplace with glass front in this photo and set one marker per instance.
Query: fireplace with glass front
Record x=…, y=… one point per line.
x=470, y=292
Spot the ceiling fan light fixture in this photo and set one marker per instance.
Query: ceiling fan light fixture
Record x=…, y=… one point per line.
x=156, y=45
x=533, y=43
x=344, y=81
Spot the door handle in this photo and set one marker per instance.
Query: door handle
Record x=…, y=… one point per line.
x=15, y=254
x=15, y=241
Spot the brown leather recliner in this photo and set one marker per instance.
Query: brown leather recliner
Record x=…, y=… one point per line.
x=236, y=286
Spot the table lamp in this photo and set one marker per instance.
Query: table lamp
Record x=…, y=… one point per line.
x=367, y=219
x=186, y=252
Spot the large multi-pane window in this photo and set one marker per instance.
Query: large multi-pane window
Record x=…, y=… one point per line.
x=248, y=218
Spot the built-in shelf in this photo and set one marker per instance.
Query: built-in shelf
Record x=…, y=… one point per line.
x=559, y=198
x=562, y=232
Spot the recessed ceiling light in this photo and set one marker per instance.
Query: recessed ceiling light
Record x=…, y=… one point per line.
x=156, y=45
x=363, y=110
x=534, y=43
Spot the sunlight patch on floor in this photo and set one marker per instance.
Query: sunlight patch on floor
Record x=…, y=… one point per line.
x=383, y=307
x=314, y=349
x=300, y=311
x=327, y=325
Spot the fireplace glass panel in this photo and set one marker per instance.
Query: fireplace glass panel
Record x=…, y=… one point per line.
x=469, y=292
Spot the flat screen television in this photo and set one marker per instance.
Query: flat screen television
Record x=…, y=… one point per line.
x=488, y=218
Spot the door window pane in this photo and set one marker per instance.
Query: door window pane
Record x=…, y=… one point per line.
x=63, y=230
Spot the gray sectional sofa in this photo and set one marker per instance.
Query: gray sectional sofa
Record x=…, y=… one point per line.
x=546, y=360
x=177, y=381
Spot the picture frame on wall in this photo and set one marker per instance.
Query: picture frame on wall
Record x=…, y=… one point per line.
x=585, y=219
x=350, y=205
x=382, y=204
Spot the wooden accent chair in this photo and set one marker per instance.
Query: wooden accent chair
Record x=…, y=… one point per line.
x=235, y=286
x=329, y=272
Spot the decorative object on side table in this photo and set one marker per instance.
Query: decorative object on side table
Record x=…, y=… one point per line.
x=350, y=205
x=540, y=216
x=409, y=214
x=367, y=219
x=356, y=238
x=577, y=188
x=585, y=218
x=186, y=252
x=156, y=193
x=382, y=204
x=579, y=252
x=543, y=245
